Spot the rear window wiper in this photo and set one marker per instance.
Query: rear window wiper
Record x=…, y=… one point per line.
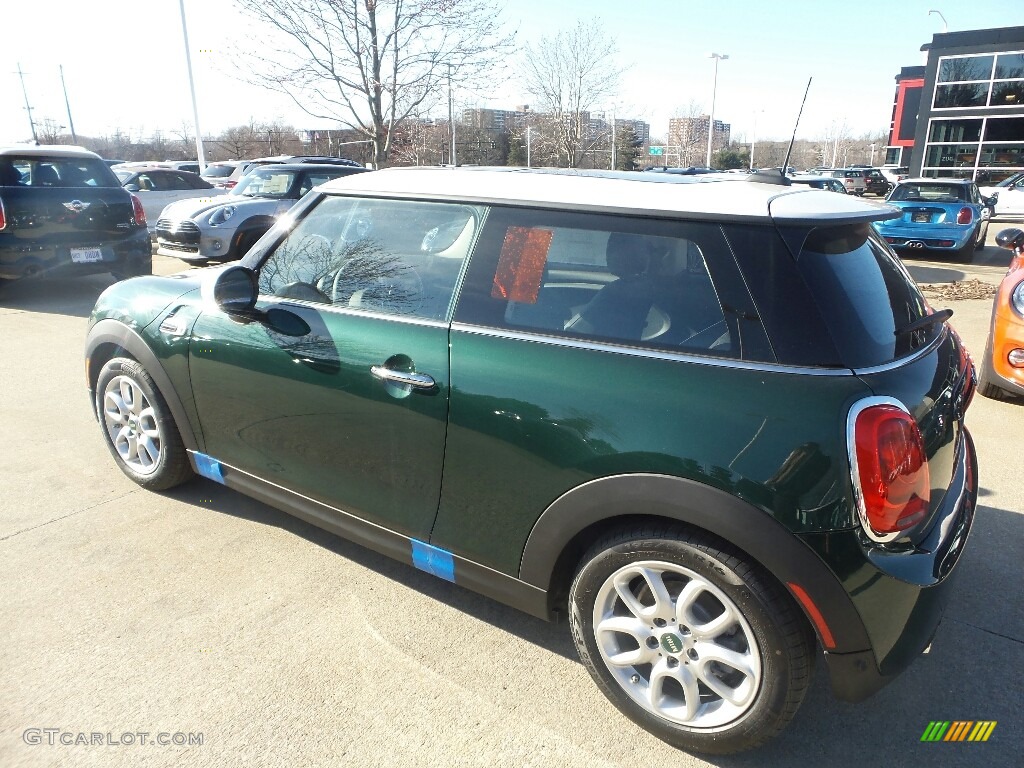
x=923, y=322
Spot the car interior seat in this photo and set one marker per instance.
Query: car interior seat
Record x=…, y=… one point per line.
x=9, y=175
x=45, y=176
x=620, y=308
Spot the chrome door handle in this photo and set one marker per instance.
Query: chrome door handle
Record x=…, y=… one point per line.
x=414, y=380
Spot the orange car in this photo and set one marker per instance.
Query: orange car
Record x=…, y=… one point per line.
x=1002, y=369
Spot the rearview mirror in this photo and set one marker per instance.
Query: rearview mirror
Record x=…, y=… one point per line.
x=132, y=187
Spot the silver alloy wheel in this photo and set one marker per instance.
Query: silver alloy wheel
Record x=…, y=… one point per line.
x=677, y=645
x=132, y=425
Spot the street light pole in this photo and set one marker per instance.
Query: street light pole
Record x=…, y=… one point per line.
x=945, y=26
x=192, y=87
x=711, y=118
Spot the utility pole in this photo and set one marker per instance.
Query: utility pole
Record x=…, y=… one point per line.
x=451, y=118
x=613, y=141
x=28, y=109
x=527, y=146
x=71, y=123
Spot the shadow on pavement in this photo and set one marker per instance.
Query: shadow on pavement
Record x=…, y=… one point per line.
x=922, y=274
x=972, y=673
x=552, y=637
x=72, y=296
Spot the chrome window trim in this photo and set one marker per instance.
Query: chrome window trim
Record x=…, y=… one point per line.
x=349, y=311
x=851, y=448
x=650, y=354
x=721, y=362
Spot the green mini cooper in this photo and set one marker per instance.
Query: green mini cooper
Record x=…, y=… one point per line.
x=711, y=423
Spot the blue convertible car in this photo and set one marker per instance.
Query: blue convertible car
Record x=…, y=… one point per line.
x=938, y=215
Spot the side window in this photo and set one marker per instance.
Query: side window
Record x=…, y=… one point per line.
x=393, y=257
x=313, y=179
x=603, y=278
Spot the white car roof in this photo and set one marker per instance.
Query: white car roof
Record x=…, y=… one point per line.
x=47, y=150
x=723, y=196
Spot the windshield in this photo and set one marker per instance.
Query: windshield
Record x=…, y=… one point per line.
x=930, y=193
x=265, y=182
x=218, y=171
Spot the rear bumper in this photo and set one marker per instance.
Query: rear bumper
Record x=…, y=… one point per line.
x=929, y=237
x=900, y=595
x=24, y=258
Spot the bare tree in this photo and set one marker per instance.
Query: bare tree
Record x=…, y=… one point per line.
x=370, y=64
x=568, y=75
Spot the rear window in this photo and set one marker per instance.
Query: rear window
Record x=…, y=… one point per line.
x=864, y=294
x=55, y=172
x=930, y=193
x=218, y=171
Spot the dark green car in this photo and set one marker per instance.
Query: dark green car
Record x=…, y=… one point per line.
x=710, y=422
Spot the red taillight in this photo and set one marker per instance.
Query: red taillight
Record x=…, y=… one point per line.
x=891, y=470
x=3, y=216
x=965, y=216
x=140, y=215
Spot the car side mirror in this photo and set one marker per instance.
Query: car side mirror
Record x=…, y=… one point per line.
x=991, y=200
x=132, y=187
x=1011, y=239
x=235, y=290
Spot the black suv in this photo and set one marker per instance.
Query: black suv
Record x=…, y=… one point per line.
x=875, y=182
x=63, y=212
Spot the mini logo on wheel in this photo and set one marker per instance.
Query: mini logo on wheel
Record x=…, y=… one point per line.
x=671, y=643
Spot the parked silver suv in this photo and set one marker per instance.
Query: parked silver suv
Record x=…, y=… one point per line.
x=224, y=228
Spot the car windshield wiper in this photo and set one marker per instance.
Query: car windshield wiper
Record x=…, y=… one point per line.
x=923, y=322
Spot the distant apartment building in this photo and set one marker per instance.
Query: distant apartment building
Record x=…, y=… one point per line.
x=507, y=119
x=693, y=131
x=495, y=119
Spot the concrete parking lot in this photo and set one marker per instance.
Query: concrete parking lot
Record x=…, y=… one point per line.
x=203, y=615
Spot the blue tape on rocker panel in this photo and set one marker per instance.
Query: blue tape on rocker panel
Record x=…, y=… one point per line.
x=208, y=467
x=433, y=560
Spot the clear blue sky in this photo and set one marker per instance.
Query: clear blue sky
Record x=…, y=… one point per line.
x=124, y=63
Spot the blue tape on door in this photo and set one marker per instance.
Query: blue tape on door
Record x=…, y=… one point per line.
x=433, y=560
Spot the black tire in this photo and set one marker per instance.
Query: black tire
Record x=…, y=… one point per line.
x=782, y=643
x=982, y=236
x=149, y=417
x=987, y=385
x=245, y=242
x=965, y=255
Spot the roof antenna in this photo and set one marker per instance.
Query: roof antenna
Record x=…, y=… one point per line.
x=781, y=178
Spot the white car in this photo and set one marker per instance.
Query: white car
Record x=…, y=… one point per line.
x=159, y=186
x=1011, y=196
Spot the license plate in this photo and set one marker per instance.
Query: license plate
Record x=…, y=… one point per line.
x=85, y=255
x=922, y=217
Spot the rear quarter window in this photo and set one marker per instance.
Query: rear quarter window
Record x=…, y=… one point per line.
x=864, y=294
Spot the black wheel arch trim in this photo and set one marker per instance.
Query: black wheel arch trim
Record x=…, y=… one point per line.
x=113, y=332
x=743, y=525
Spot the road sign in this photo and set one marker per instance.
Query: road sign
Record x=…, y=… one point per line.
x=656, y=151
